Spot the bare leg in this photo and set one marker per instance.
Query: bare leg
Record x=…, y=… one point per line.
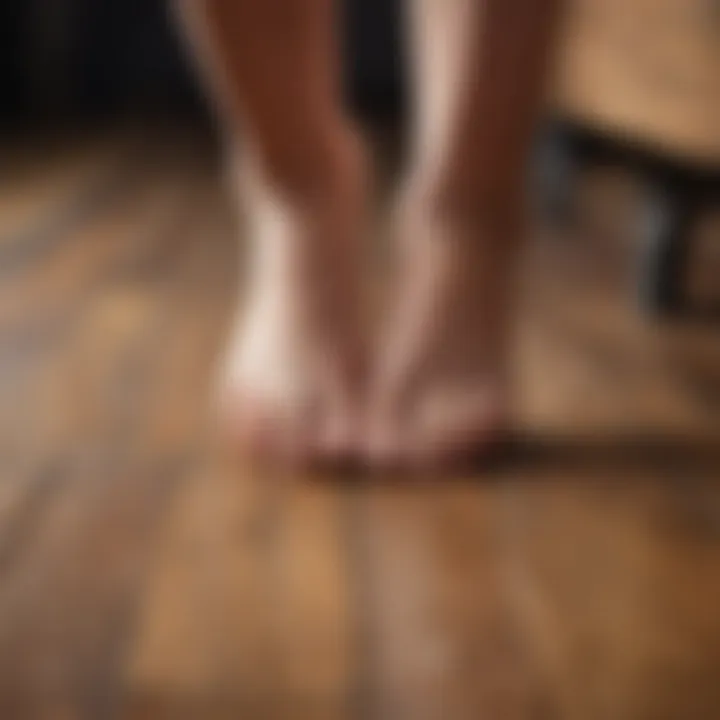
x=441, y=388
x=271, y=66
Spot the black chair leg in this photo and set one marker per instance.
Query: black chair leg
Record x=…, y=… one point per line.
x=665, y=233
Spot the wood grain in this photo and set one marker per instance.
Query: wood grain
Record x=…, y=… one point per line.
x=148, y=572
x=646, y=70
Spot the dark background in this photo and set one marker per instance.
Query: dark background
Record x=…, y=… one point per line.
x=90, y=58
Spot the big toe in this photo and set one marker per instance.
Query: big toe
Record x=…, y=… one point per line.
x=267, y=430
x=385, y=442
x=451, y=428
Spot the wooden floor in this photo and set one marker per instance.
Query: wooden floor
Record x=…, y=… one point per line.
x=146, y=573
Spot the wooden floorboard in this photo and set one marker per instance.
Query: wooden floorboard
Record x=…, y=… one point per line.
x=148, y=572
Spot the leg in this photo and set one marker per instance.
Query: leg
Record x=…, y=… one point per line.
x=271, y=67
x=441, y=386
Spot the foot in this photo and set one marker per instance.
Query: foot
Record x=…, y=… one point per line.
x=293, y=372
x=440, y=391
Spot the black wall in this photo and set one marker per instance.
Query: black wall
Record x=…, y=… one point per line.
x=99, y=57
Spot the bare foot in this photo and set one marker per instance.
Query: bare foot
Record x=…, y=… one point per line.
x=293, y=372
x=440, y=390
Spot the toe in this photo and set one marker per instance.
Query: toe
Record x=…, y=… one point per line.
x=263, y=430
x=386, y=446
x=451, y=430
x=247, y=425
x=336, y=445
x=338, y=438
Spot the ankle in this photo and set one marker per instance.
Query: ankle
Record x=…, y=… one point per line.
x=469, y=210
